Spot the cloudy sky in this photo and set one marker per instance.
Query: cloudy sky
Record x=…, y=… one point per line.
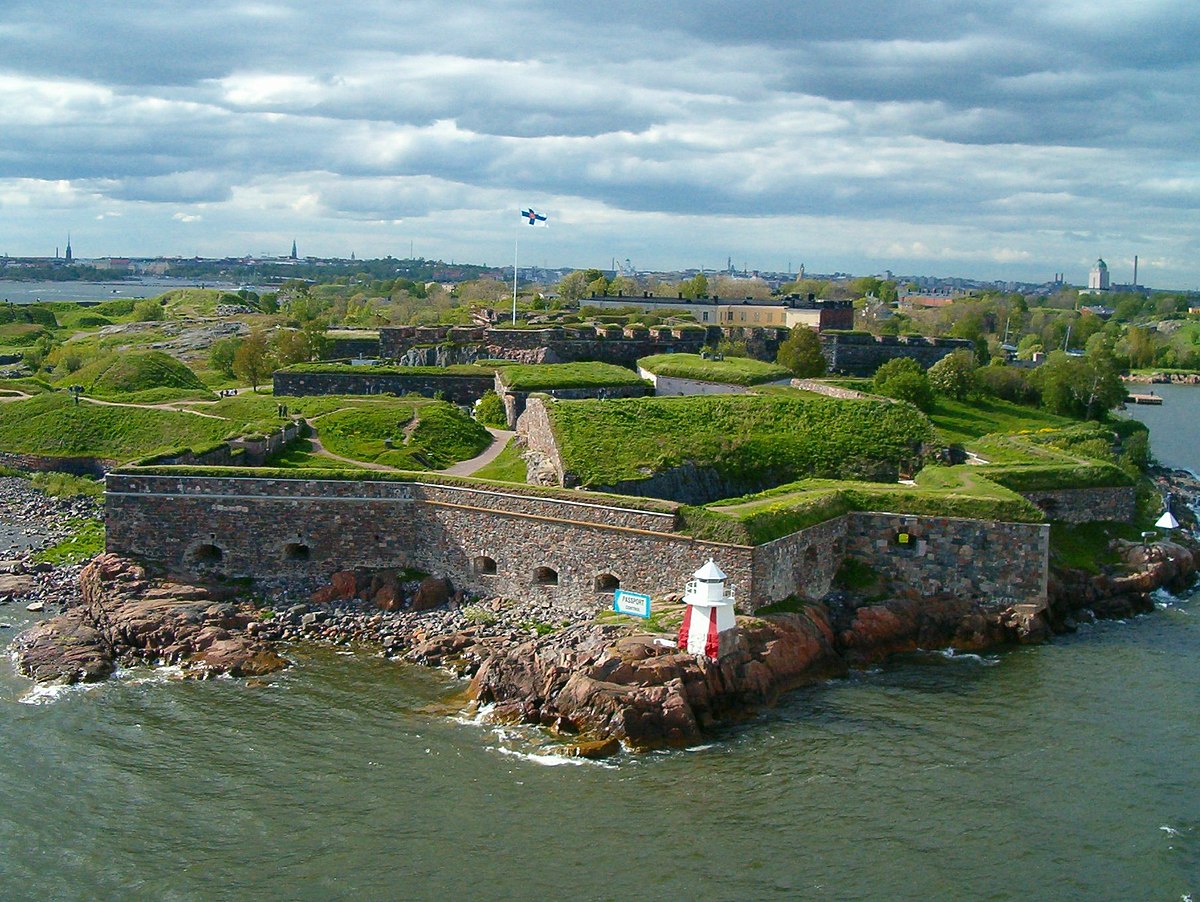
x=999, y=139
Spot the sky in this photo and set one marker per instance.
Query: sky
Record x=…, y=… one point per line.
x=986, y=139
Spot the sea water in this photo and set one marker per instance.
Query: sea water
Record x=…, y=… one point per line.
x=1064, y=771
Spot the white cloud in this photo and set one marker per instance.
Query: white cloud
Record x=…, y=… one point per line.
x=841, y=135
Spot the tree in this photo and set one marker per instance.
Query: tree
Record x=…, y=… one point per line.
x=220, y=355
x=252, y=360
x=954, y=375
x=801, y=353
x=1086, y=387
x=902, y=378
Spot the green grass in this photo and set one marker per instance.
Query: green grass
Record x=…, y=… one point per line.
x=64, y=485
x=463, y=369
x=958, y=422
x=549, y=376
x=85, y=542
x=53, y=425
x=730, y=371
x=140, y=375
x=749, y=438
x=509, y=466
x=431, y=435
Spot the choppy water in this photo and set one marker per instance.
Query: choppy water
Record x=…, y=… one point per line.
x=1067, y=771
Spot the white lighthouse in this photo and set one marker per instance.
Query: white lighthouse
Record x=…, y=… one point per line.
x=709, y=617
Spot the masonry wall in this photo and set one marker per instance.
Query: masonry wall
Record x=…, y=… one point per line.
x=860, y=354
x=458, y=389
x=292, y=535
x=1118, y=503
x=967, y=558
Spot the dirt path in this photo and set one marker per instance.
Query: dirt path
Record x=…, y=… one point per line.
x=164, y=406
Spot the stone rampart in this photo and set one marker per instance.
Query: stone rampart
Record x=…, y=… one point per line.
x=1117, y=503
x=967, y=558
x=458, y=389
x=860, y=354
x=292, y=534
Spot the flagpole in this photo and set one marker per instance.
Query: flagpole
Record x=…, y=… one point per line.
x=516, y=242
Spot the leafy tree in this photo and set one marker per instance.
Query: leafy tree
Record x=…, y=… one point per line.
x=911, y=387
x=252, y=359
x=1086, y=387
x=290, y=346
x=801, y=353
x=902, y=378
x=220, y=355
x=954, y=375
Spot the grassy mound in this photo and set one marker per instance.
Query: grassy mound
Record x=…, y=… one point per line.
x=549, y=376
x=415, y=435
x=120, y=376
x=730, y=371
x=755, y=440
x=53, y=425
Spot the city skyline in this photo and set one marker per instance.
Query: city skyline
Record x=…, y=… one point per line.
x=1010, y=142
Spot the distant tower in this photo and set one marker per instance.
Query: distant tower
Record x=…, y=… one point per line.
x=69, y=257
x=1098, y=277
x=293, y=253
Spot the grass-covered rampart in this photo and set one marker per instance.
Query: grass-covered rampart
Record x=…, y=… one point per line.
x=550, y=376
x=767, y=439
x=744, y=371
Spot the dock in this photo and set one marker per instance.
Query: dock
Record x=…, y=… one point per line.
x=1150, y=398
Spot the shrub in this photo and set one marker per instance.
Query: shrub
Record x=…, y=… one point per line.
x=489, y=410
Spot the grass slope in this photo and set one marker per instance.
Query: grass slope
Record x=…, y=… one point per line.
x=135, y=373
x=730, y=371
x=532, y=377
x=777, y=438
x=423, y=435
x=53, y=425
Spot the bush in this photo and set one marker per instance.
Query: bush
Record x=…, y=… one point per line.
x=1008, y=383
x=489, y=410
x=911, y=387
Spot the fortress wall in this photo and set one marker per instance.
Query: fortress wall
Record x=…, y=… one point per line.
x=861, y=354
x=803, y=563
x=292, y=535
x=1118, y=503
x=458, y=389
x=968, y=558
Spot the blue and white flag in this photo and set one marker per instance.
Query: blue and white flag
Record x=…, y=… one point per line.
x=534, y=218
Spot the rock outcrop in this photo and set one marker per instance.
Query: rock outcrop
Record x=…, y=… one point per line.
x=124, y=618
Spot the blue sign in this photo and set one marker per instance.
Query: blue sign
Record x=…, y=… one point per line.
x=631, y=603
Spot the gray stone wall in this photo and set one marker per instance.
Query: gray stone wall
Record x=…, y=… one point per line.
x=967, y=558
x=860, y=354
x=1118, y=503
x=458, y=389
x=292, y=534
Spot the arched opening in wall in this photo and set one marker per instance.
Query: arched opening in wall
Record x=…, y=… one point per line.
x=608, y=583
x=296, y=551
x=545, y=576
x=485, y=566
x=207, y=554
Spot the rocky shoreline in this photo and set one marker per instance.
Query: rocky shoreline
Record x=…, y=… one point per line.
x=599, y=683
